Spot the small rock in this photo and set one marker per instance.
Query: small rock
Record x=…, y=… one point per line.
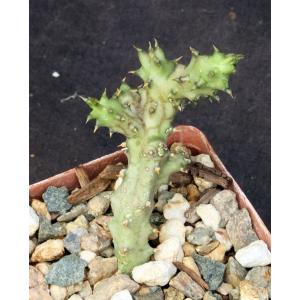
x=234, y=272
x=48, y=251
x=32, y=246
x=100, y=231
x=203, y=184
x=162, y=188
x=154, y=234
x=108, y=252
x=58, y=292
x=87, y=255
x=67, y=271
x=188, y=249
x=208, y=195
x=75, y=297
x=193, y=193
x=234, y=294
x=226, y=204
x=206, y=249
x=103, y=221
x=172, y=228
x=189, y=262
x=154, y=273
x=162, y=200
x=248, y=291
x=33, y=221
x=122, y=295
x=254, y=255
x=223, y=238
x=106, y=288
x=157, y=219
x=50, y=231
x=90, y=242
x=204, y=159
x=73, y=238
x=43, y=267
x=41, y=208
x=170, y=250
x=209, y=215
x=56, y=199
x=210, y=296
x=224, y=289
x=176, y=207
x=80, y=222
x=188, y=230
x=239, y=229
x=38, y=293
x=260, y=277
x=172, y=294
x=99, y=204
x=100, y=268
x=201, y=236
x=74, y=288
x=86, y=290
x=36, y=278
x=212, y=271
x=76, y=211
x=149, y=293
x=217, y=254
x=185, y=284
x=180, y=178
x=191, y=214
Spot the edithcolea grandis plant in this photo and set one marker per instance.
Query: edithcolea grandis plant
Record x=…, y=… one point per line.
x=144, y=116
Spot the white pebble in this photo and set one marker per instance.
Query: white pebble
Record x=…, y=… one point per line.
x=172, y=228
x=122, y=295
x=255, y=254
x=176, y=207
x=209, y=215
x=33, y=221
x=87, y=255
x=154, y=273
x=170, y=250
x=162, y=188
x=75, y=297
x=203, y=159
x=223, y=238
x=55, y=74
x=58, y=292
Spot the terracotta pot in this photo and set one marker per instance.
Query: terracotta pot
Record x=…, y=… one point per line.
x=193, y=138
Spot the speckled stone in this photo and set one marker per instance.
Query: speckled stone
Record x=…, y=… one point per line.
x=50, y=231
x=56, y=199
x=212, y=271
x=234, y=272
x=210, y=296
x=73, y=213
x=201, y=236
x=260, y=277
x=172, y=294
x=150, y=293
x=157, y=219
x=72, y=240
x=67, y=271
x=99, y=204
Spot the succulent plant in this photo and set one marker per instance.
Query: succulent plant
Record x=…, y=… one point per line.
x=144, y=115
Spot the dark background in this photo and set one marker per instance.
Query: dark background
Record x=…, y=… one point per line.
x=89, y=43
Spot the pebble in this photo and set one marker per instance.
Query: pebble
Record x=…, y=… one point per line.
x=206, y=249
x=87, y=255
x=106, y=288
x=218, y=254
x=56, y=199
x=254, y=255
x=74, y=288
x=234, y=272
x=203, y=184
x=90, y=242
x=224, y=289
x=210, y=296
x=226, y=204
x=172, y=294
x=188, y=249
x=248, y=291
x=201, y=236
x=72, y=240
x=234, y=294
x=191, y=214
x=67, y=271
x=103, y=221
x=33, y=221
x=189, y=262
x=149, y=293
x=32, y=246
x=86, y=290
x=162, y=188
x=43, y=267
x=260, y=277
x=50, y=231
x=193, y=193
x=170, y=250
x=154, y=273
x=48, y=251
x=176, y=207
x=172, y=228
x=80, y=222
x=58, y=292
x=212, y=271
x=204, y=159
x=99, y=204
x=223, y=238
x=239, y=229
x=100, y=231
x=36, y=278
x=122, y=295
x=157, y=219
x=209, y=215
x=100, y=268
x=108, y=252
x=188, y=230
x=185, y=284
x=41, y=208
x=38, y=293
x=75, y=297
x=73, y=213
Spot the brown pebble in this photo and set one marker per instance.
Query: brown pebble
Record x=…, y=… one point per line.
x=179, y=179
x=193, y=192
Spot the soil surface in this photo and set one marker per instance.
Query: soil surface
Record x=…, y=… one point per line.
x=81, y=47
